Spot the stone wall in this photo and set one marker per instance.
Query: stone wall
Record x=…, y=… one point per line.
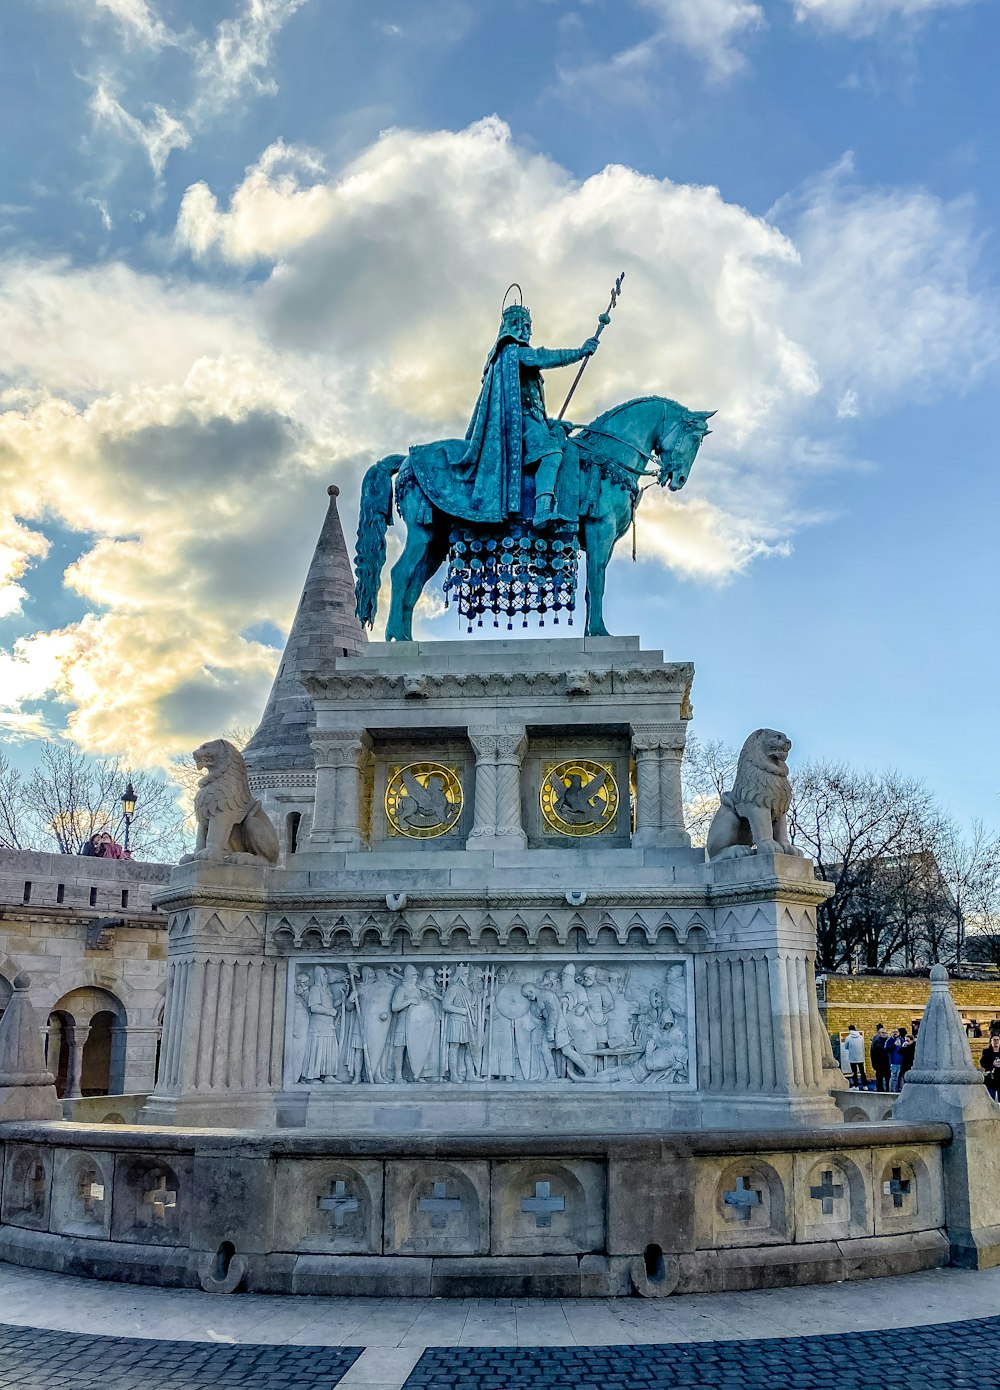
x=86, y=932
x=477, y=1216
x=898, y=1000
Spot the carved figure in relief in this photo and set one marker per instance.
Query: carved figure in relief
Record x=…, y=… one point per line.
x=754, y=814
x=422, y=807
x=300, y=1023
x=325, y=1002
x=459, y=1010
x=509, y=1009
x=369, y=1022
x=599, y=1004
x=232, y=826
x=553, y=1037
x=576, y=801
x=623, y=1012
x=425, y=1029
x=576, y=1006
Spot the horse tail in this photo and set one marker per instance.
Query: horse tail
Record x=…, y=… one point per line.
x=374, y=518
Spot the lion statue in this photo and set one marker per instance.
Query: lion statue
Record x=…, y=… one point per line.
x=755, y=812
x=232, y=826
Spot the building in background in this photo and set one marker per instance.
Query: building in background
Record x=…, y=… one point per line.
x=86, y=932
x=897, y=1000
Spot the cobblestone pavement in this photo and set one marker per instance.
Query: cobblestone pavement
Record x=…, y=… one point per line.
x=946, y=1357
x=949, y=1356
x=35, y=1360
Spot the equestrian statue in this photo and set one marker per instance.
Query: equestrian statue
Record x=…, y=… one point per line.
x=512, y=504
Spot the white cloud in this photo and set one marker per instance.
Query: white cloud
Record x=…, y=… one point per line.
x=712, y=32
x=224, y=69
x=269, y=213
x=191, y=430
x=139, y=21
x=238, y=56
x=859, y=18
x=158, y=136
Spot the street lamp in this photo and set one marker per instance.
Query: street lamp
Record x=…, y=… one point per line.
x=128, y=808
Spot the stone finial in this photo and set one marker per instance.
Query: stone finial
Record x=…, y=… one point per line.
x=943, y=1054
x=324, y=629
x=27, y=1088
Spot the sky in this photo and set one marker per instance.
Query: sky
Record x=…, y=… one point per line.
x=247, y=247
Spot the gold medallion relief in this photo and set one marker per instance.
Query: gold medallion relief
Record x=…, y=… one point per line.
x=579, y=797
x=422, y=800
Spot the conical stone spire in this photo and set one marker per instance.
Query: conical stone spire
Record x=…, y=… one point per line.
x=325, y=627
x=943, y=1054
x=27, y=1088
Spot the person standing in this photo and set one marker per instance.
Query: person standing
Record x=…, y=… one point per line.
x=880, y=1062
x=990, y=1063
x=907, y=1049
x=892, y=1057
x=854, y=1045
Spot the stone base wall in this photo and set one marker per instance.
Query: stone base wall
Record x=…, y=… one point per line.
x=475, y=1216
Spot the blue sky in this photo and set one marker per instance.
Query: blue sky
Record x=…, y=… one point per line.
x=245, y=248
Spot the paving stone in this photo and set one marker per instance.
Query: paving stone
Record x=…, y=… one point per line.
x=925, y=1358
x=31, y=1359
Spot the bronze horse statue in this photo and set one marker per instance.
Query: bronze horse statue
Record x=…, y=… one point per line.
x=616, y=450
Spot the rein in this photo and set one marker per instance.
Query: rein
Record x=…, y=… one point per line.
x=617, y=439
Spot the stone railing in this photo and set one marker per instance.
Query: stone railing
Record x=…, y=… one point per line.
x=491, y=1216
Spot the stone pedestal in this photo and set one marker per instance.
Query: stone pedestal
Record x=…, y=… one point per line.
x=220, y=1054
x=495, y=922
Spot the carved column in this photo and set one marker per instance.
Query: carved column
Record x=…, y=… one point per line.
x=341, y=761
x=672, y=830
x=74, y=1068
x=658, y=749
x=499, y=753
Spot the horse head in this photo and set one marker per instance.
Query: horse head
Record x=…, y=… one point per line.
x=679, y=447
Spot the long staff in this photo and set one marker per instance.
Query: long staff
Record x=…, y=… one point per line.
x=602, y=323
x=361, y=1020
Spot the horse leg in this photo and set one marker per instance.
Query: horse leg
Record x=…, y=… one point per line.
x=599, y=537
x=407, y=581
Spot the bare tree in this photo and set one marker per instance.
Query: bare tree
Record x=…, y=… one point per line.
x=69, y=796
x=866, y=832
x=11, y=801
x=970, y=868
x=708, y=769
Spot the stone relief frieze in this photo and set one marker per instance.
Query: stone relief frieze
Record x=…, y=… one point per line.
x=670, y=679
x=511, y=1022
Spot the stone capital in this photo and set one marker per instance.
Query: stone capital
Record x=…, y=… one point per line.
x=505, y=743
x=669, y=737
x=335, y=748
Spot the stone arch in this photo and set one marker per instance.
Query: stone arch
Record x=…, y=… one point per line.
x=751, y=1204
x=517, y=939
x=27, y=1188
x=558, y=1218
x=833, y=1202
x=87, y=1028
x=903, y=1188
x=332, y=1208
x=81, y=1193
x=86, y=975
x=149, y=1201
x=443, y=1210
x=856, y=1116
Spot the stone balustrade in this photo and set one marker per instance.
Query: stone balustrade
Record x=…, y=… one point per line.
x=478, y=1215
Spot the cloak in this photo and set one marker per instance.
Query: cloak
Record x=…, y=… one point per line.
x=493, y=457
